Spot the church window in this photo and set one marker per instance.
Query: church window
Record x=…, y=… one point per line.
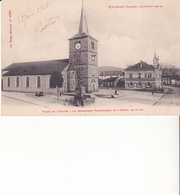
x=130, y=76
x=17, y=82
x=145, y=75
x=38, y=82
x=27, y=81
x=93, y=57
x=8, y=81
x=139, y=75
x=92, y=45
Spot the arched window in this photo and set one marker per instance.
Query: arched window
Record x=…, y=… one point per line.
x=148, y=84
x=27, y=81
x=2, y=84
x=139, y=85
x=17, y=82
x=92, y=45
x=38, y=82
x=130, y=84
x=9, y=82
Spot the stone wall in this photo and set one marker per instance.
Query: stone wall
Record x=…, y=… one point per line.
x=33, y=84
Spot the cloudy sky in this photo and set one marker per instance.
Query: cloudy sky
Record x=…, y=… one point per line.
x=125, y=35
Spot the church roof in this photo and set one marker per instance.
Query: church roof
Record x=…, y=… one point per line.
x=36, y=68
x=140, y=66
x=83, y=35
x=83, y=27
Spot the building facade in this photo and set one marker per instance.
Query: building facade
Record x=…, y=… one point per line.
x=143, y=75
x=34, y=76
x=80, y=68
x=110, y=74
x=110, y=82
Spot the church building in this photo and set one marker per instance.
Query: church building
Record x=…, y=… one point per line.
x=80, y=69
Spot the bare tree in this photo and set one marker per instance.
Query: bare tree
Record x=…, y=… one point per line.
x=169, y=70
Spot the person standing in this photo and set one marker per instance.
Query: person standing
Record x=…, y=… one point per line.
x=57, y=92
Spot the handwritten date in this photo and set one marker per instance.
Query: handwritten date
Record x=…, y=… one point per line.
x=31, y=12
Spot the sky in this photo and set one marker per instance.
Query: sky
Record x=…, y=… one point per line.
x=125, y=35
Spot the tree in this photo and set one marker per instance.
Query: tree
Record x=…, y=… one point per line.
x=56, y=80
x=169, y=70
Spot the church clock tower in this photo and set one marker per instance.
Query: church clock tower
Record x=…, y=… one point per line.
x=84, y=57
x=156, y=61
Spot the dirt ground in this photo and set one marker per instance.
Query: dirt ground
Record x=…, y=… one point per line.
x=14, y=103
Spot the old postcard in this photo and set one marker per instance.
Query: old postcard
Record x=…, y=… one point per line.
x=87, y=57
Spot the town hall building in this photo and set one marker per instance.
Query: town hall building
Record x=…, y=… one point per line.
x=80, y=69
x=143, y=75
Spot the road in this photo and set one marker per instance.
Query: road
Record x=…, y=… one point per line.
x=171, y=98
x=28, y=104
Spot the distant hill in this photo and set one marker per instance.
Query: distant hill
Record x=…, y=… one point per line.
x=108, y=68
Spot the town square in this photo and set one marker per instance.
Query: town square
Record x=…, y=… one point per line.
x=88, y=78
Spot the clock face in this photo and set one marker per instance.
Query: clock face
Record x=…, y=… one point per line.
x=78, y=46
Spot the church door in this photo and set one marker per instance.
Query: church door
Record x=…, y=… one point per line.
x=94, y=88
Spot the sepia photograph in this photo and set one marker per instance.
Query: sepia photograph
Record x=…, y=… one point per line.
x=82, y=57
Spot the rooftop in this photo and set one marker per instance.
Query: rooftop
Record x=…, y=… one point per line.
x=110, y=79
x=140, y=66
x=36, y=68
x=111, y=73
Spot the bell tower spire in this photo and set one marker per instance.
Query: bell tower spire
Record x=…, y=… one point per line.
x=155, y=60
x=83, y=28
x=83, y=55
